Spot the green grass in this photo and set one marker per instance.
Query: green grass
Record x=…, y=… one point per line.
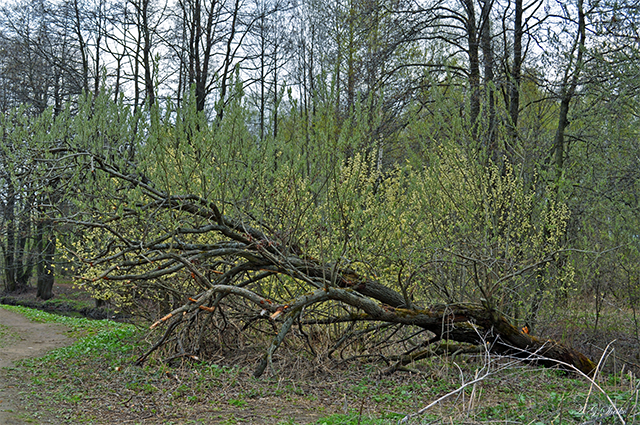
x=238, y=402
x=95, y=337
x=69, y=301
x=76, y=323
x=95, y=381
x=52, y=379
x=355, y=419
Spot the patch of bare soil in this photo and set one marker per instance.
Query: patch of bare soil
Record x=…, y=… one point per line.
x=21, y=338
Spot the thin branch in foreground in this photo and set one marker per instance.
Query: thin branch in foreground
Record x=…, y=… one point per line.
x=592, y=379
x=487, y=373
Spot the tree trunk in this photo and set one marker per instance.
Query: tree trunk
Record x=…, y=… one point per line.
x=472, y=323
x=474, y=65
x=18, y=263
x=569, y=85
x=487, y=58
x=225, y=78
x=147, y=60
x=46, y=271
x=9, y=247
x=516, y=75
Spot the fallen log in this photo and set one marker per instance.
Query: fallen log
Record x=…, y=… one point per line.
x=442, y=347
x=474, y=323
x=471, y=323
x=191, y=253
x=462, y=322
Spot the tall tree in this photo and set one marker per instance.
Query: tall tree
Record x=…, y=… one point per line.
x=17, y=204
x=568, y=86
x=269, y=49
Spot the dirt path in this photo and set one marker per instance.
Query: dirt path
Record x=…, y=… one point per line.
x=21, y=338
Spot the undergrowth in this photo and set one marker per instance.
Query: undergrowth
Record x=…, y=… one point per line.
x=95, y=381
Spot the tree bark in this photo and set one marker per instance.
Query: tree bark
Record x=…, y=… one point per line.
x=516, y=74
x=225, y=78
x=487, y=59
x=9, y=247
x=476, y=324
x=463, y=322
x=147, y=60
x=568, y=90
x=474, y=64
x=46, y=271
x=18, y=263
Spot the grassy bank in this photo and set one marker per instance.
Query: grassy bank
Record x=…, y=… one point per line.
x=69, y=299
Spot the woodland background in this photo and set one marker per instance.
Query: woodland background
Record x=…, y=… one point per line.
x=250, y=165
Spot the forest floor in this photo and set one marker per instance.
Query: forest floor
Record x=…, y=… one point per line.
x=95, y=381
x=68, y=299
x=21, y=338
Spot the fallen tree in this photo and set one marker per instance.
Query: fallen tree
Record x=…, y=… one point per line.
x=243, y=257
x=216, y=238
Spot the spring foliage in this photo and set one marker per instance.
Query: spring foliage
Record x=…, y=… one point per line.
x=438, y=228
